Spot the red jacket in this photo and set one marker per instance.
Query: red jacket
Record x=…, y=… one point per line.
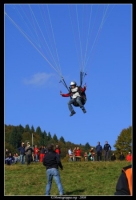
x=129, y=157
x=36, y=151
x=69, y=94
x=78, y=152
x=57, y=150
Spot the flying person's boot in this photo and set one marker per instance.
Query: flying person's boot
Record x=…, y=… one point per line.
x=84, y=111
x=72, y=113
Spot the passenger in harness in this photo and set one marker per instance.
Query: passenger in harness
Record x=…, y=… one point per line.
x=78, y=97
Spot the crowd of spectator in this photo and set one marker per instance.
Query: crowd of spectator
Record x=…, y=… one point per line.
x=28, y=154
x=96, y=155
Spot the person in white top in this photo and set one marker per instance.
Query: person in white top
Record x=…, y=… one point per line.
x=70, y=153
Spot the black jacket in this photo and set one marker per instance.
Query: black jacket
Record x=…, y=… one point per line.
x=107, y=147
x=113, y=157
x=52, y=160
x=122, y=157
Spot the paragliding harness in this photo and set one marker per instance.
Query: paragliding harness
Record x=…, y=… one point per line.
x=82, y=94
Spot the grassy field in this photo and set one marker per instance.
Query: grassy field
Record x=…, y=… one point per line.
x=78, y=178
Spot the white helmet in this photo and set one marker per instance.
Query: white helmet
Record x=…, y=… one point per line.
x=72, y=83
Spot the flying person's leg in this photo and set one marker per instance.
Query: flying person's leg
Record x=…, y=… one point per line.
x=71, y=101
x=78, y=100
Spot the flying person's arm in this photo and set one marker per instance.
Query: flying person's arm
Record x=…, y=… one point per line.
x=64, y=95
x=83, y=89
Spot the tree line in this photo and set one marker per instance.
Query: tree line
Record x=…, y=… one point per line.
x=14, y=135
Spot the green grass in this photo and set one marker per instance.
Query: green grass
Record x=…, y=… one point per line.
x=78, y=178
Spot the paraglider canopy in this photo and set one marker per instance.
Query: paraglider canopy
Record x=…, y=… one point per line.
x=34, y=21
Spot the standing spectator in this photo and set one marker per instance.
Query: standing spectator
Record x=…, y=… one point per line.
x=85, y=156
x=121, y=157
x=21, y=149
x=78, y=154
x=36, y=151
x=89, y=156
x=70, y=154
x=52, y=162
x=42, y=153
x=113, y=157
x=124, y=183
x=107, y=149
x=74, y=154
x=57, y=150
x=129, y=157
x=10, y=159
x=92, y=153
x=99, y=152
x=28, y=152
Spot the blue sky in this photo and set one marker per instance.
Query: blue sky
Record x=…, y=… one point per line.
x=44, y=42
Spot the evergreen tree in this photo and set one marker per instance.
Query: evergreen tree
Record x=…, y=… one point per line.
x=69, y=145
x=52, y=141
x=15, y=138
x=87, y=146
x=38, y=130
x=62, y=139
x=45, y=134
x=49, y=136
x=27, y=128
x=10, y=148
x=21, y=129
x=45, y=138
x=42, y=139
x=55, y=138
x=32, y=129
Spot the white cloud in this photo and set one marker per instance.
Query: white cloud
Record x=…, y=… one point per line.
x=38, y=79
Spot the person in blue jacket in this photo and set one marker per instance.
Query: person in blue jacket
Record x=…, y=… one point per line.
x=99, y=152
x=9, y=160
x=107, y=149
x=21, y=149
